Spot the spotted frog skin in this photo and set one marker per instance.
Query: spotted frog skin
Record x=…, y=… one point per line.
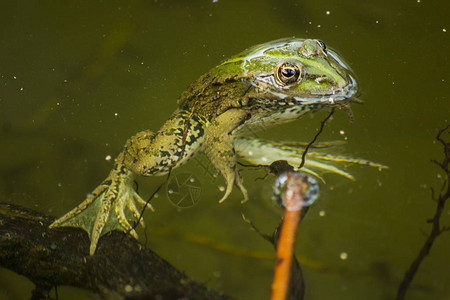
x=265, y=85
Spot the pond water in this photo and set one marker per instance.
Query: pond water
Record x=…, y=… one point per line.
x=79, y=78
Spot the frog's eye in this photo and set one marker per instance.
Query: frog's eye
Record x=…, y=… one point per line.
x=322, y=45
x=288, y=73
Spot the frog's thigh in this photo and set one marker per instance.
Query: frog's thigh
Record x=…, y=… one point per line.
x=220, y=149
x=138, y=153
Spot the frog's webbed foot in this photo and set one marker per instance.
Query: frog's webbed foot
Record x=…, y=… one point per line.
x=91, y=197
x=220, y=150
x=111, y=206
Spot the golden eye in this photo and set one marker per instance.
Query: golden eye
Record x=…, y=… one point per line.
x=288, y=73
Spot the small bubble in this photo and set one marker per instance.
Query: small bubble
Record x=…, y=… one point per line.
x=322, y=213
x=444, y=30
x=343, y=255
x=170, y=191
x=116, y=114
x=128, y=288
x=108, y=157
x=221, y=188
x=341, y=132
x=192, y=179
x=328, y=12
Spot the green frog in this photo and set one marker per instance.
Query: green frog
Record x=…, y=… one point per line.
x=268, y=84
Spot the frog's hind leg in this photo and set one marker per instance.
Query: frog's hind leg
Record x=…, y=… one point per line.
x=318, y=160
x=220, y=150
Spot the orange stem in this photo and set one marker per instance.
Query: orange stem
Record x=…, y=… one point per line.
x=285, y=252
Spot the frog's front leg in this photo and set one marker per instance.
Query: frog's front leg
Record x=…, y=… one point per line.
x=220, y=150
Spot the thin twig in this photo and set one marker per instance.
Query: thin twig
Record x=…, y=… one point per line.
x=322, y=125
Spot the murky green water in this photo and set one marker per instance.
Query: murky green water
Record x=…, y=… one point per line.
x=78, y=79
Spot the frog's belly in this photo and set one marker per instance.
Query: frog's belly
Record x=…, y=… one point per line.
x=264, y=117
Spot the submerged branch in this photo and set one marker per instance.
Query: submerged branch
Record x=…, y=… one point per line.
x=121, y=268
x=436, y=230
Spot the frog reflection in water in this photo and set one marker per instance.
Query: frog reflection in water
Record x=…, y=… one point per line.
x=268, y=84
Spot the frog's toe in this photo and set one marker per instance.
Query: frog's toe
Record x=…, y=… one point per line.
x=122, y=219
x=141, y=202
x=241, y=186
x=130, y=204
x=128, y=209
x=120, y=207
x=228, y=190
x=126, y=225
x=232, y=178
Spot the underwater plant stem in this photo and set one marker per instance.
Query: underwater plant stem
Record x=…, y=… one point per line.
x=280, y=285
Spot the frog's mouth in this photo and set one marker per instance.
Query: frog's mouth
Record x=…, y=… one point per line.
x=344, y=94
x=336, y=95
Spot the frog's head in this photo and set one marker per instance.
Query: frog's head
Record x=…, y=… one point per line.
x=294, y=70
x=280, y=80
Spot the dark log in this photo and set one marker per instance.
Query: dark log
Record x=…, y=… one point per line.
x=121, y=268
